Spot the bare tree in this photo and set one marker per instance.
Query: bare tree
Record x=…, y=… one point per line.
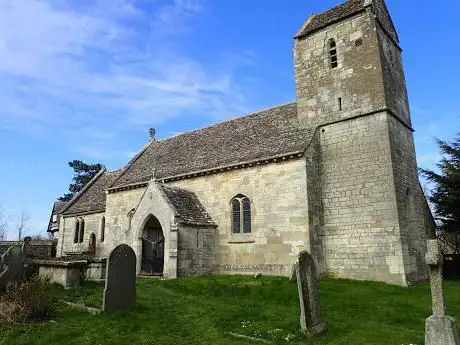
x=22, y=225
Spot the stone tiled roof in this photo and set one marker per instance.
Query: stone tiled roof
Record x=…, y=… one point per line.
x=58, y=207
x=93, y=197
x=265, y=134
x=186, y=203
x=321, y=20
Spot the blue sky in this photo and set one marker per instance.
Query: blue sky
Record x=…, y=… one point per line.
x=86, y=79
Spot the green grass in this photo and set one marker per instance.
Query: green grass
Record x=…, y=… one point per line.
x=203, y=310
x=89, y=294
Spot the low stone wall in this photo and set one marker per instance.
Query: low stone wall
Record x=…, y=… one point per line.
x=37, y=249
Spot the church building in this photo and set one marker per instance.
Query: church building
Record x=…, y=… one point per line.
x=333, y=173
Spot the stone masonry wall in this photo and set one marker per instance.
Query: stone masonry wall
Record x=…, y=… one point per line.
x=410, y=199
x=39, y=249
x=357, y=80
x=279, y=216
x=393, y=76
x=381, y=11
x=67, y=231
x=411, y=205
x=315, y=207
x=361, y=236
x=117, y=222
x=196, y=252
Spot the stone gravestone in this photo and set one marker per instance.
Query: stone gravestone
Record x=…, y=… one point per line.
x=307, y=284
x=440, y=329
x=120, y=279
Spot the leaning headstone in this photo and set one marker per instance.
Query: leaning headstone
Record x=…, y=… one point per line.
x=120, y=281
x=310, y=321
x=439, y=328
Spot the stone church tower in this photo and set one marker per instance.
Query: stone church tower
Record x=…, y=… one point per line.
x=350, y=82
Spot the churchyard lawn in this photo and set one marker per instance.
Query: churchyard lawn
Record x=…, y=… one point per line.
x=206, y=310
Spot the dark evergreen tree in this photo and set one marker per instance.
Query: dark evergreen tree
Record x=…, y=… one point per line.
x=446, y=193
x=83, y=173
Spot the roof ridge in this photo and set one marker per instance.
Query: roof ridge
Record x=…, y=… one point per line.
x=253, y=113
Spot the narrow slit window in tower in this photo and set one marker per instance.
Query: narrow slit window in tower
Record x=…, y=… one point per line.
x=340, y=103
x=333, y=53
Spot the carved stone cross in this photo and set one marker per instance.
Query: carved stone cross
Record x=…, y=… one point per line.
x=439, y=328
x=434, y=261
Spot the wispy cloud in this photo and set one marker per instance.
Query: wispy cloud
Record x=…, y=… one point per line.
x=170, y=18
x=78, y=66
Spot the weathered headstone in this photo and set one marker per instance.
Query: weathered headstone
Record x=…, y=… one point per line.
x=120, y=281
x=307, y=284
x=439, y=328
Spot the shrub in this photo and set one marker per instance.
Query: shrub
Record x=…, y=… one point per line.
x=26, y=301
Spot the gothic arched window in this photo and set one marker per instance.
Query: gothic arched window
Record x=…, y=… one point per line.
x=241, y=214
x=333, y=53
x=77, y=228
x=82, y=231
x=102, y=229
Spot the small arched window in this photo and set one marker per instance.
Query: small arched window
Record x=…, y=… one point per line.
x=102, y=229
x=236, y=216
x=77, y=228
x=246, y=215
x=241, y=214
x=82, y=231
x=333, y=53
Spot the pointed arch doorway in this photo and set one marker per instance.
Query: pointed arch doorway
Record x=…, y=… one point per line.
x=152, y=247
